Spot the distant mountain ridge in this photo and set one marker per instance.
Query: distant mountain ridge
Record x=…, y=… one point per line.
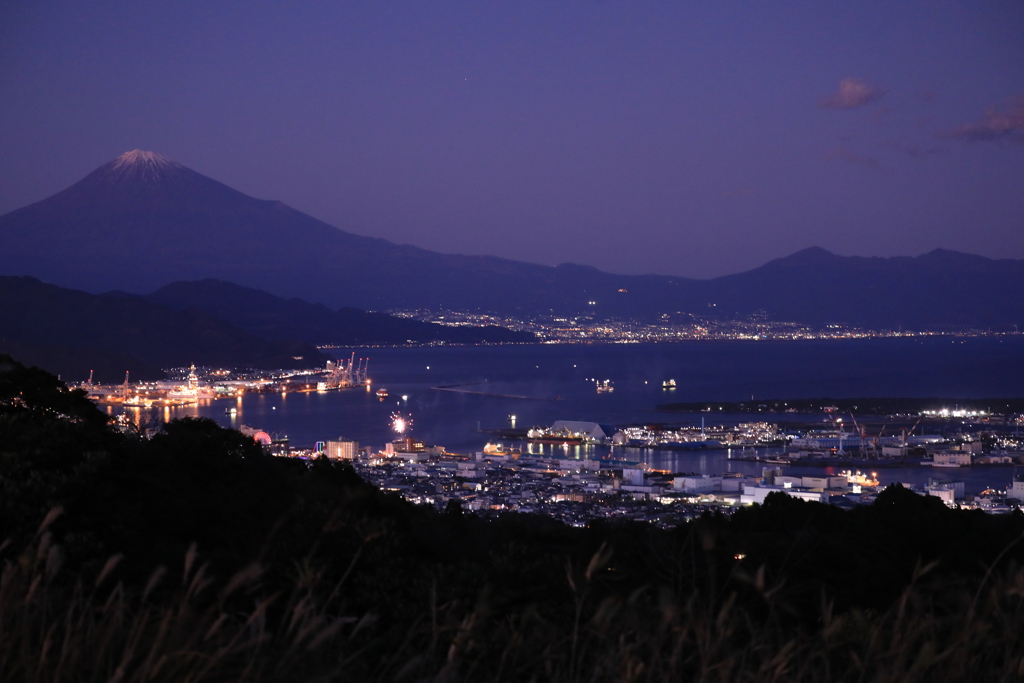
x=940, y=288
x=71, y=332
x=142, y=221
x=209, y=322
x=274, y=318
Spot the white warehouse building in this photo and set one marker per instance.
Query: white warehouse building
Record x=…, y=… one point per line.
x=757, y=493
x=698, y=483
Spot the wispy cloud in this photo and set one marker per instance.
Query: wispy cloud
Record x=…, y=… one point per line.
x=852, y=93
x=851, y=157
x=997, y=125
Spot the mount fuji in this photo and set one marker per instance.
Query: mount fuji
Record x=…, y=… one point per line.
x=142, y=221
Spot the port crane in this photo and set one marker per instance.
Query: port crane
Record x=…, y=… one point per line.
x=877, y=439
x=906, y=434
x=860, y=430
x=874, y=441
x=342, y=375
x=126, y=391
x=837, y=422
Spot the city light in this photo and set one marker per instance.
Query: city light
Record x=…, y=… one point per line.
x=956, y=412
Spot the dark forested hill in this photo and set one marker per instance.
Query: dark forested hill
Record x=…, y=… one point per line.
x=207, y=323
x=71, y=332
x=272, y=317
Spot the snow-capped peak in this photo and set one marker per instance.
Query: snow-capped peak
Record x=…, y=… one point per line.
x=138, y=157
x=141, y=166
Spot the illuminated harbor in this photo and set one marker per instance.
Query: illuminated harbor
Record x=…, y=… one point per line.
x=464, y=398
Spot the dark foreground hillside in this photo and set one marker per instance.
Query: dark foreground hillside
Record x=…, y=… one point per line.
x=193, y=556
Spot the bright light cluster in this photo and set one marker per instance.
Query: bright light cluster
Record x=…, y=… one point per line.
x=956, y=412
x=400, y=423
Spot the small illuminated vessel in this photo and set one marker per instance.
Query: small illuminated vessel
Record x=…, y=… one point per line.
x=382, y=393
x=500, y=450
x=860, y=478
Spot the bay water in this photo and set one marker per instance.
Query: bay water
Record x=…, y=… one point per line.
x=452, y=393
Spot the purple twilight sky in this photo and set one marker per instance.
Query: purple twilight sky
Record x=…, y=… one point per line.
x=661, y=136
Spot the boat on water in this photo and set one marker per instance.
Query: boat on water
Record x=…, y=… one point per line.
x=382, y=393
x=860, y=478
x=136, y=402
x=554, y=436
x=668, y=384
x=605, y=386
x=686, y=445
x=557, y=439
x=499, y=450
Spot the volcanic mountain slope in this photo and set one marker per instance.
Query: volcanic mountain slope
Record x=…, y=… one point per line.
x=71, y=332
x=143, y=221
